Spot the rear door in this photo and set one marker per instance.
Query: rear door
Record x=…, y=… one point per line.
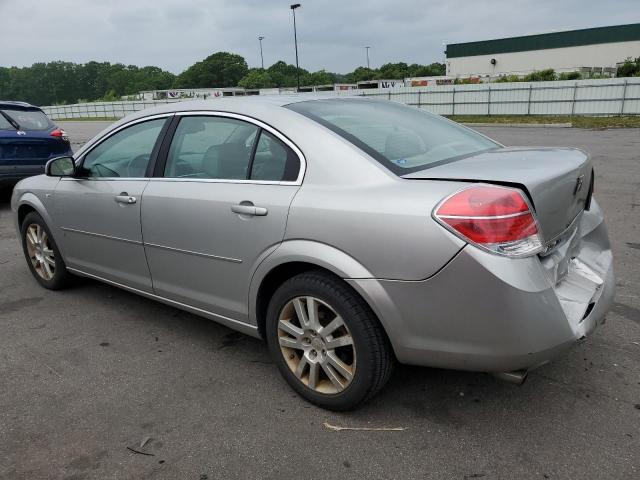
x=217, y=204
x=99, y=211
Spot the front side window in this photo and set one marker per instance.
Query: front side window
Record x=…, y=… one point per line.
x=402, y=138
x=124, y=154
x=208, y=147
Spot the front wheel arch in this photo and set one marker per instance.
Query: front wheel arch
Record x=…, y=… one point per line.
x=23, y=211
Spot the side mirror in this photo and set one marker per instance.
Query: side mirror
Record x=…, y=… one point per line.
x=60, y=167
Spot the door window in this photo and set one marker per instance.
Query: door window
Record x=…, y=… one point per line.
x=221, y=148
x=124, y=154
x=274, y=161
x=211, y=147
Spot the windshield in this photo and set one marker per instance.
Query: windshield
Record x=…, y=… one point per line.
x=25, y=119
x=404, y=139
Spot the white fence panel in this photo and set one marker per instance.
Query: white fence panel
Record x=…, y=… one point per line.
x=574, y=97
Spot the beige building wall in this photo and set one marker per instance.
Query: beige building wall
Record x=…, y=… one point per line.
x=560, y=59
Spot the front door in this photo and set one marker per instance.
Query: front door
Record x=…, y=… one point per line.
x=220, y=203
x=99, y=211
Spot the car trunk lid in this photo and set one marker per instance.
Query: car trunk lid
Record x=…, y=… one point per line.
x=556, y=180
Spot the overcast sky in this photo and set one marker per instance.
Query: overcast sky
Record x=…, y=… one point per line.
x=174, y=34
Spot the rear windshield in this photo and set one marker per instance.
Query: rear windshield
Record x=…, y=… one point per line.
x=404, y=139
x=26, y=119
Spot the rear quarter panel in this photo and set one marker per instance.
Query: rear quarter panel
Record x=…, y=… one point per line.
x=352, y=203
x=387, y=228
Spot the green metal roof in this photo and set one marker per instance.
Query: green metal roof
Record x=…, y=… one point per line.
x=572, y=38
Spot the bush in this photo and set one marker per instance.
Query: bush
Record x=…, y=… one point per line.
x=509, y=78
x=570, y=76
x=630, y=68
x=547, y=75
x=110, y=96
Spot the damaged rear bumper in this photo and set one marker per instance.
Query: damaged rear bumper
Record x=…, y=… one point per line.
x=484, y=312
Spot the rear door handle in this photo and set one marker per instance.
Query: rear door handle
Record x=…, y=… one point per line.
x=249, y=208
x=124, y=197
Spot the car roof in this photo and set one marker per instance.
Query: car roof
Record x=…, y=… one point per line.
x=240, y=104
x=265, y=108
x=17, y=105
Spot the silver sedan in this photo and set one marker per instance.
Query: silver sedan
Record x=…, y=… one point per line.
x=349, y=233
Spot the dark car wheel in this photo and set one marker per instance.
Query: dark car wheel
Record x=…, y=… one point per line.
x=42, y=254
x=327, y=342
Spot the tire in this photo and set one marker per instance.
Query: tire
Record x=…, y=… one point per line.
x=362, y=368
x=50, y=274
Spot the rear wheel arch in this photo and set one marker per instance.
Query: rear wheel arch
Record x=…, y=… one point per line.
x=272, y=281
x=285, y=271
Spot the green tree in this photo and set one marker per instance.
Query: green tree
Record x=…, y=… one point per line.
x=221, y=69
x=431, y=70
x=392, y=71
x=65, y=82
x=284, y=74
x=317, y=78
x=630, y=68
x=256, y=78
x=361, y=74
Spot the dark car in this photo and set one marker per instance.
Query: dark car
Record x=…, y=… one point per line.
x=28, y=139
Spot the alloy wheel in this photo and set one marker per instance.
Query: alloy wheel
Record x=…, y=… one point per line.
x=316, y=345
x=40, y=252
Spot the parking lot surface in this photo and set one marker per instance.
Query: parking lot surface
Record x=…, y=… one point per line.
x=89, y=373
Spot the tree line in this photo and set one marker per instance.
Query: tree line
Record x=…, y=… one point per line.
x=61, y=82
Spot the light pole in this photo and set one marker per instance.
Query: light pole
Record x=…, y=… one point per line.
x=444, y=56
x=295, y=39
x=260, y=38
x=367, y=48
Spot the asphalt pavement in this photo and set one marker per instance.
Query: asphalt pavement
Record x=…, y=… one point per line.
x=92, y=374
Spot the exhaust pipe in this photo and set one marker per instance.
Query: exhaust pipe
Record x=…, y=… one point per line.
x=517, y=377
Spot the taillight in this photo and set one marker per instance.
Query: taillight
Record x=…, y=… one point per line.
x=58, y=132
x=497, y=219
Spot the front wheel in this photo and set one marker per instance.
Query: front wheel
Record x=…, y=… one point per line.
x=42, y=254
x=327, y=342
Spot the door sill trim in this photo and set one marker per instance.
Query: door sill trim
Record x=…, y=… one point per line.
x=243, y=327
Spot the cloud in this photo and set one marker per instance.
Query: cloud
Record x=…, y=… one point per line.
x=332, y=34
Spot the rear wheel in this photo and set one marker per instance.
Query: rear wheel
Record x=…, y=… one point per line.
x=42, y=254
x=327, y=342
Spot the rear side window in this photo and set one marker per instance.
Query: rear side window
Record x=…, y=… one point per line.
x=26, y=119
x=125, y=153
x=211, y=147
x=402, y=138
x=274, y=161
x=208, y=147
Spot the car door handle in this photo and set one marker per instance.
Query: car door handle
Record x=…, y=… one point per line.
x=249, y=209
x=126, y=198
